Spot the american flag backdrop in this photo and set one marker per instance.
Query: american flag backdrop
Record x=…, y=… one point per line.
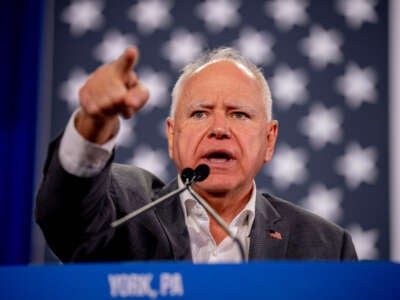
x=327, y=66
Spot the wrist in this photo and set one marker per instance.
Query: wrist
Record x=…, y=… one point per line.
x=97, y=130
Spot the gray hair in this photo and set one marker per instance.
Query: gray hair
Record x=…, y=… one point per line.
x=223, y=53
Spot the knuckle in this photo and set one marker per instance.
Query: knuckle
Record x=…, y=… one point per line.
x=129, y=102
x=91, y=109
x=83, y=100
x=83, y=93
x=119, y=101
x=146, y=92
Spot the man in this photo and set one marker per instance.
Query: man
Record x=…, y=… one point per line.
x=220, y=116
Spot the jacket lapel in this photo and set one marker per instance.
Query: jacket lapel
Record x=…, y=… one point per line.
x=172, y=219
x=268, y=238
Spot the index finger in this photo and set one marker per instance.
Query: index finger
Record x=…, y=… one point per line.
x=127, y=60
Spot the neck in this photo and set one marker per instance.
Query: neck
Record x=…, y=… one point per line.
x=227, y=204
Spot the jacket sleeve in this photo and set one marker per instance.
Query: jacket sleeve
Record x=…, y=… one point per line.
x=71, y=210
x=348, y=249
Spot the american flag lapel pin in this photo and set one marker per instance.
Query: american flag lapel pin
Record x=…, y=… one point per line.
x=275, y=235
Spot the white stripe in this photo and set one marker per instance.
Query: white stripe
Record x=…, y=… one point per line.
x=38, y=245
x=394, y=136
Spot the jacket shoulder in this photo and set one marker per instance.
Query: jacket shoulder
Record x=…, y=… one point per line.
x=296, y=215
x=311, y=236
x=127, y=178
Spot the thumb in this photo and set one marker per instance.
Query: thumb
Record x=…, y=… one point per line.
x=127, y=60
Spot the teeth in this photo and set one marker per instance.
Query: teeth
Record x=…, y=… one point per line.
x=218, y=156
x=218, y=160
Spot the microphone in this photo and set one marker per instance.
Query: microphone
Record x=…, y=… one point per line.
x=201, y=172
x=188, y=176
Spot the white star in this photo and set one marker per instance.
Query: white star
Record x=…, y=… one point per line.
x=255, y=45
x=69, y=90
x=357, y=12
x=364, y=241
x=83, y=15
x=322, y=125
x=322, y=47
x=219, y=14
x=151, y=15
x=113, y=45
x=324, y=202
x=357, y=165
x=357, y=85
x=183, y=47
x=154, y=161
x=126, y=135
x=289, y=86
x=287, y=167
x=287, y=13
x=158, y=84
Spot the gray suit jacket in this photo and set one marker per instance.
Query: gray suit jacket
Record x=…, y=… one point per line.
x=75, y=215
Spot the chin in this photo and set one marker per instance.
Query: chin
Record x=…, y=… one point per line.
x=216, y=185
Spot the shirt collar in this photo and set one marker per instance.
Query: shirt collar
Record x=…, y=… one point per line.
x=244, y=217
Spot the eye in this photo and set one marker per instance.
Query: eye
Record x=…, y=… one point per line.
x=240, y=115
x=198, y=114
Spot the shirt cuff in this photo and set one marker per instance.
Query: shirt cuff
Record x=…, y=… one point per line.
x=81, y=157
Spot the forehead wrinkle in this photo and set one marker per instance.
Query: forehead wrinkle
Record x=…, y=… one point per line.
x=201, y=103
x=187, y=87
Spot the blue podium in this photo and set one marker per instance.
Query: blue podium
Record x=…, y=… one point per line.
x=169, y=280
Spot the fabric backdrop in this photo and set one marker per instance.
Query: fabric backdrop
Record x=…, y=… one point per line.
x=326, y=62
x=19, y=86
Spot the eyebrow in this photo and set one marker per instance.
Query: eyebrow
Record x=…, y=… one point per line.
x=230, y=105
x=242, y=106
x=200, y=104
x=197, y=105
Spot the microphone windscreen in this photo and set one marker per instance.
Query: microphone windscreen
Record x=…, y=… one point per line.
x=201, y=172
x=187, y=175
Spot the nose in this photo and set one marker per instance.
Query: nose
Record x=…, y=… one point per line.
x=220, y=128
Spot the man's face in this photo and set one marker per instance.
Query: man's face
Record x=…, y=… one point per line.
x=221, y=121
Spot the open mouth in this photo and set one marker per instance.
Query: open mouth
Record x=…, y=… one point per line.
x=218, y=157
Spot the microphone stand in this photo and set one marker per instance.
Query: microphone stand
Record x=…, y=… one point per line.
x=218, y=219
x=149, y=206
x=190, y=176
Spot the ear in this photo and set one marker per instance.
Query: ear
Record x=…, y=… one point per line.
x=170, y=137
x=272, y=128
